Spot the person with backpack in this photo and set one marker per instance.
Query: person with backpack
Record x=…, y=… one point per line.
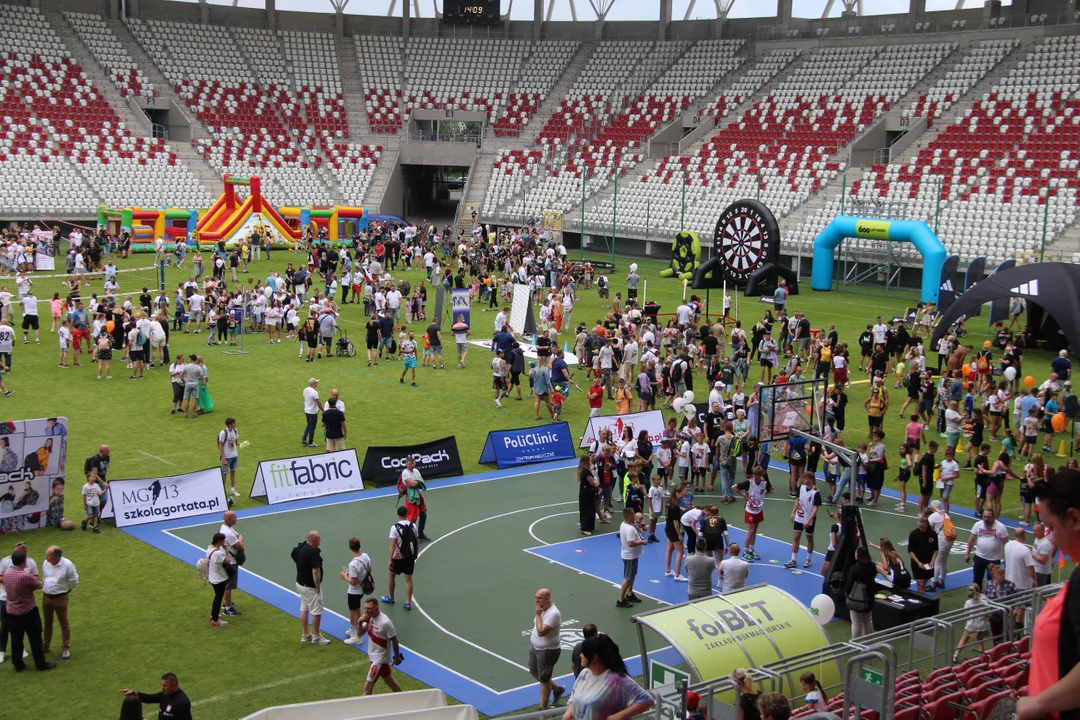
x=411, y=486
x=404, y=547
x=358, y=576
x=217, y=573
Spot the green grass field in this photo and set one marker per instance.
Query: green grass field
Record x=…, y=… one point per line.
x=139, y=613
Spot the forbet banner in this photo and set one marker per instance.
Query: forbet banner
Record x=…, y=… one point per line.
x=651, y=421
x=750, y=627
x=435, y=459
x=510, y=448
x=307, y=477
x=33, y=465
x=138, y=502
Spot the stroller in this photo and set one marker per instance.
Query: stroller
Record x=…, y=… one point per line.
x=345, y=347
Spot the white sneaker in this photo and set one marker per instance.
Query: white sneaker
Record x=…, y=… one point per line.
x=669, y=574
x=497, y=403
x=1, y=656
x=235, y=493
x=320, y=640
x=680, y=578
x=305, y=638
x=351, y=632
x=66, y=655
x=352, y=640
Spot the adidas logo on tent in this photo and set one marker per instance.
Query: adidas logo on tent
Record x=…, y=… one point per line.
x=1028, y=288
x=947, y=286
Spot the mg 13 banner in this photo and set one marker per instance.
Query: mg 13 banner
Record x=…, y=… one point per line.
x=137, y=502
x=510, y=448
x=33, y=465
x=306, y=477
x=651, y=421
x=435, y=459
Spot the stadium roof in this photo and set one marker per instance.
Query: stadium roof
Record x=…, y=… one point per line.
x=587, y=10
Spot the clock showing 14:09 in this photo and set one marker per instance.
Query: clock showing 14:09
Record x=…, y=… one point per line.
x=471, y=12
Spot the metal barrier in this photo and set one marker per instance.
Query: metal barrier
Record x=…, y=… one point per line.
x=1021, y=608
x=784, y=673
x=924, y=640
x=867, y=687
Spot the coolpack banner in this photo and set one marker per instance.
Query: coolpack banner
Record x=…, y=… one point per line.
x=307, y=477
x=33, y=464
x=461, y=306
x=138, y=502
x=523, y=446
x=435, y=459
x=651, y=421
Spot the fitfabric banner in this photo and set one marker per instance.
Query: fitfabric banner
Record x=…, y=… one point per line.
x=651, y=421
x=435, y=459
x=999, y=309
x=33, y=464
x=523, y=446
x=308, y=476
x=460, y=306
x=138, y=502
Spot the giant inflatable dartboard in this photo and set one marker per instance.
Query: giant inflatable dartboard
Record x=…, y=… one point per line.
x=747, y=237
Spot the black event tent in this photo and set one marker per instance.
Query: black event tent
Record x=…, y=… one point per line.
x=1052, y=292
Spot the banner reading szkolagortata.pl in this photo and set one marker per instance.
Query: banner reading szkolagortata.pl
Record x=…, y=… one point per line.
x=652, y=421
x=523, y=446
x=33, y=465
x=137, y=502
x=308, y=476
x=435, y=459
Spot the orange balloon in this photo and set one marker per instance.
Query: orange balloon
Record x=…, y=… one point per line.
x=1059, y=422
x=1029, y=382
x=110, y=326
x=966, y=369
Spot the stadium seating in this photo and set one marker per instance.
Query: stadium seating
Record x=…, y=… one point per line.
x=110, y=54
x=379, y=60
x=538, y=75
x=980, y=59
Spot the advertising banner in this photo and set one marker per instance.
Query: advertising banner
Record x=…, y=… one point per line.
x=435, y=459
x=138, y=502
x=758, y=625
x=523, y=446
x=306, y=477
x=33, y=463
x=650, y=420
x=460, y=306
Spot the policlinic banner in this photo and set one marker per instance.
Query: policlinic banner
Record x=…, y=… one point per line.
x=33, y=465
x=435, y=459
x=306, y=477
x=523, y=446
x=138, y=502
x=651, y=420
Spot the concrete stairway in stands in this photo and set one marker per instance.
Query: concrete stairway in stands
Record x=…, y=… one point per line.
x=387, y=166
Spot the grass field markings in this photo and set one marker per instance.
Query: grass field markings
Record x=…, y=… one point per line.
x=117, y=461
x=265, y=510
x=389, y=381
x=416, y=603
x=155, y=457
x=546, y=517
x=328, y=611
x=277, y=683
x=579, y=571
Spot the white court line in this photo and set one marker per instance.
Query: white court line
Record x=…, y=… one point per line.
x=434, y=542
x=155, y=457
x=546, y=517
x=242, y=516
x=579, y=571
x=277, y=683
x=328, y=611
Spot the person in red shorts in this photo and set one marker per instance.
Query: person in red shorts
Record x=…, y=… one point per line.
x=412, y=487
x=753, y=491
x=381, y=635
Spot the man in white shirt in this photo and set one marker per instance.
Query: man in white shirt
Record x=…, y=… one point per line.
x=59, y=578
x=393, y=301
x=500, y=320
x=30, y=316
x=311, y=412
x=195, y=313
x=1019, y=563
x=733, y=570
x=880, y=330
x=630, y=357
x=631, y=547
x=987, y=538
x=683, y=314
x=229, y=453
x=545, y=647
x=1043, y=553
x=381, y=634
x=234, y=545
x=355, y=575
x=950, y=471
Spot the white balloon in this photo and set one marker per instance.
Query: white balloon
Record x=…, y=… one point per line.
x=633, y=267
x=1010, y=373
x=822, y=608
x=689, y=411
x=678, y=404
x=688, y=396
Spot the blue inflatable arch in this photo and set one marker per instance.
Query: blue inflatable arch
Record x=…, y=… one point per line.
x=916, y=232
